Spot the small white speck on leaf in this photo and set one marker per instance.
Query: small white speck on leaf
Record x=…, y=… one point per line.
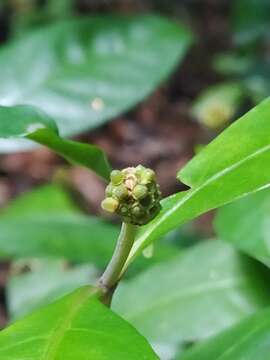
x=97, y=104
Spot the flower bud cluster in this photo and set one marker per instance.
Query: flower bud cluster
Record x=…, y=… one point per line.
x=133, y=194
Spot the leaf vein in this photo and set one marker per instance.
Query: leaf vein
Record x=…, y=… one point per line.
x=140, y=242
x=197, y=290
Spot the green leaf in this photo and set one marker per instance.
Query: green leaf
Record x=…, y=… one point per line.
x=31, y=123
x=246, y=225
x=250, y=21
x=66, y=232
x=49, y=281
x=248, y=340
x=75, y=327
x=43, y=223
x=60, y=8
x=250, y=71
x=83, y=72
x=256, y=80
x=197, y=294
x=231, y=63
x=234, y=164
x=21, y=120
x=47, y=199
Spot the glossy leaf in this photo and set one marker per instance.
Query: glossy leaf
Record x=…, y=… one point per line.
x=234, y=164
x=47, y=282
x=83, y=72
x=193, y=296
x=31, y=123
x=76, y=327
x=43, y=223
x=248, y=340
x=246, y=225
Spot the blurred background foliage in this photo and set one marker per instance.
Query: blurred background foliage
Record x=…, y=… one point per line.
x=157, y=99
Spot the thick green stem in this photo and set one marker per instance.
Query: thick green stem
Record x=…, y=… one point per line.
x=110, y=277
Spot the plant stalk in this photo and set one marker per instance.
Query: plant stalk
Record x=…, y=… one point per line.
x=109, y=280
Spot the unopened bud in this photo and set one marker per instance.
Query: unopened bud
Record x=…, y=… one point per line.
x=110, y=204
x=121, y=192
x=139, y=192
x=116, y=177
x=133, y=194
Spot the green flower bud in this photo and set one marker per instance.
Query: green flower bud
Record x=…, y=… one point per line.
x=139, y=170
x=110, y=204
x=116, y=177
x=124, y=210
x=137, y=211
x=149, y=175
x=133, y=194
x=139, y=191
x=121, y=192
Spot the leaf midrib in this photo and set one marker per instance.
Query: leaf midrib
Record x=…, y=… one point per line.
x=197, y=290
x=140, y=242
x=64, y=324
x=260, y=327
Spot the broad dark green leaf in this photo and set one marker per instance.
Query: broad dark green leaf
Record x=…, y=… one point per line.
x=43, y=223
x=248, y=340
x=246, y=225
x=47, y=282
x=31, y=123
x=234, y=164
x=76, y=327
x=83, y=72
x=195, y=295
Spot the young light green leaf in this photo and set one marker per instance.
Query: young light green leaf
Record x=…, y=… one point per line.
x=193, y=296
x=235, y=164
x=48, y=281
x=86, y=71
x=248, y=340
x=31, y=123
x=246, y=225
x=216, y=106
x=43, y=223
x=76, y=327
x=231, y=63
